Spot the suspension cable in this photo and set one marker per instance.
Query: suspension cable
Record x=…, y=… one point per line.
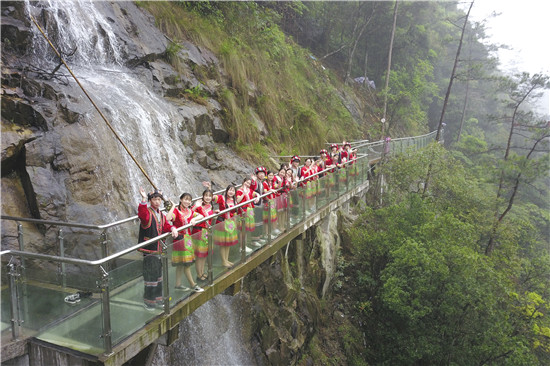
x=91, y=100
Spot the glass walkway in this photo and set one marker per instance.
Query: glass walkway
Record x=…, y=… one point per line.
x=111, y=307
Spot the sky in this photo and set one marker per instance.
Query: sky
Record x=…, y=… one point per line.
x=524, y=25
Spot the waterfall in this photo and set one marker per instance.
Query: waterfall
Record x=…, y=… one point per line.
x=147, y=123
x=78, y=25
x=212, y=335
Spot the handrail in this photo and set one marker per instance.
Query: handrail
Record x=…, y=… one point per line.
x=414, y=137
x=360, y=144
x=135, y=217
x=103, y=265
x=106, y=226
x=153, y=240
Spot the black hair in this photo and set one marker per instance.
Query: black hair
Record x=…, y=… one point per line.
x=185, y=194
x=154, y=194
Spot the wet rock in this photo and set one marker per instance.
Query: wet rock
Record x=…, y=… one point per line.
x=14, y=139
x=204, y=123
x=22, y=112
x=260, y=125
x=197, y=55
x=14, y=29
x=219, y=133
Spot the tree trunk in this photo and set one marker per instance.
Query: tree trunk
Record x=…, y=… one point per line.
x=388, y=69
x=365, y=65
x=355, y=41
x=499, y=217
x=468, y=77
x=438, y=136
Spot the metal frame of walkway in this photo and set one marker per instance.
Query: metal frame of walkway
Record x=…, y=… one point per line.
x=111, y=326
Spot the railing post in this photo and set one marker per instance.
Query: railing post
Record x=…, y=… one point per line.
x=15, y=316
x=21, y=243
x=106, y=310
x=62, y=254
x=303, y=204
x=338, y=172
x=347, y=177
x=210, y=232
x=242, y=236
x=317, y=192
x=20, y=240
x=287, y=209
x=105, y=248
x=165, y=280
x=103, y=241
x=269, y=224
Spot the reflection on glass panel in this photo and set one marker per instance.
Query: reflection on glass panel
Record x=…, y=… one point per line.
x=280, y=203
x=342, y=180
x=82, y=331
x=294, y=203
x=330, y=185
x=270, y=218
x=182, y=275
x=256, y=238
x=310, y=193
x=226, y=246
x=39, y=305
x=322, y=192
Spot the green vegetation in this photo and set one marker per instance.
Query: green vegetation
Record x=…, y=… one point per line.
x=451, y=272
x=427, y=291
x=197, y=94
x=269, y=76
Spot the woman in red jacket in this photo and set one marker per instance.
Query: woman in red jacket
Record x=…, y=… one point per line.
x=200, y=232
x=183, y=255
x=225, y=231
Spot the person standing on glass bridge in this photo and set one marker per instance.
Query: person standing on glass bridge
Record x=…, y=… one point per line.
x=183, y=253
x=152, y=224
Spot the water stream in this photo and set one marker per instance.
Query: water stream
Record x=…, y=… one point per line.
x=147, y=123
x=212, y=335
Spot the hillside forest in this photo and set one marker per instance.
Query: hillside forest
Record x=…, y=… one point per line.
x=447, y=262
x=451, y=265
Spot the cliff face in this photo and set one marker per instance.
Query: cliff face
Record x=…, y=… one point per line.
x=296, y=315
x=60, y=161
x=291, y=310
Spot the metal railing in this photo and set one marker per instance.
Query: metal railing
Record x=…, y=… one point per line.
x=327, y=185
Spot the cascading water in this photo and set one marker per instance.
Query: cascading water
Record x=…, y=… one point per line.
x=147, y=123
x=149, y=126
x=212, y=335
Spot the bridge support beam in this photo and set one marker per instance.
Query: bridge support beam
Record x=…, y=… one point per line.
x=235, y=288
x=145, y=357
x=169, y=337
x=299, y=243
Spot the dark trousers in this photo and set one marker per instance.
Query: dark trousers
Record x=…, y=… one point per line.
x=152, y=279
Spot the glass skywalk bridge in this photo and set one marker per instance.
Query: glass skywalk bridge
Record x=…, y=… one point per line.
x=111, y=311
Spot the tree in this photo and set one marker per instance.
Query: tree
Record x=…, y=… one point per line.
x=390, y=51
x=424, y=286
x=516, y=167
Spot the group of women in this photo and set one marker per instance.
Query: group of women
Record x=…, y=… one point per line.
x=191, y=246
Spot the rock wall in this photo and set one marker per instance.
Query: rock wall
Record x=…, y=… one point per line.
x=61, y=162
x=287, y=295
